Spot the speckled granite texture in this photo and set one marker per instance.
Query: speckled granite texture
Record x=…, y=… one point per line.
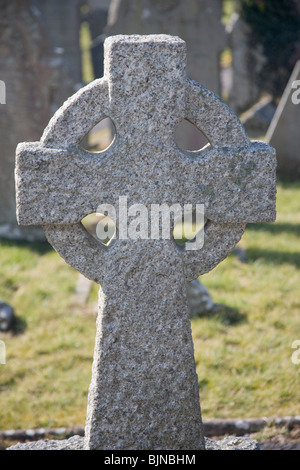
x=77, y=443
x=144, y=389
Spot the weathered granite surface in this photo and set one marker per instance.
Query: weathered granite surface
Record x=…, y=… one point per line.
x=197, y=22
x=232, y=443
x=73, y=443
x=233, y=178
x=144, y=390
x=77, y=443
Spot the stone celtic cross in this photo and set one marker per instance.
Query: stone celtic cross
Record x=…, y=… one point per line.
x=144, y=388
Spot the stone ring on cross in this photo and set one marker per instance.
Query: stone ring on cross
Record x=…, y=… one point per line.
x=144, y=390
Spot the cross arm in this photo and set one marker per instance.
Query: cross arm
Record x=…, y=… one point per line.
x=55, y=186
x=235, y=184
x=234, y=178
x=54, y=174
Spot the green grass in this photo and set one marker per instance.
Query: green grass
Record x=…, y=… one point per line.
x=86, y=59
x=228, y=10
x=48, y=361
x=243, y=351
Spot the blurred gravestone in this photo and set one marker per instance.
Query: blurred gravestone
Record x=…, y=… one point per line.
x=257, y=119
x=272, y=32
x=36, y=85
x=33, y=78
x=199, y=300
x=62, y=19
x=198, y=22
x=247, y=63
x=6, y=316
x=283, y=133
x=97, y=19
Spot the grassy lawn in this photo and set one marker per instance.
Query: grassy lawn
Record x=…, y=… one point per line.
x=243, y=351
x=228, y=10
x=48, y=361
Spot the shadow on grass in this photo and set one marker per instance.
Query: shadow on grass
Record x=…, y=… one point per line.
x=288, y=183
x=19, y=326
x=273, y=257
x=275, y=228
x=16, y=328
x=39, y=247
x=228, y=316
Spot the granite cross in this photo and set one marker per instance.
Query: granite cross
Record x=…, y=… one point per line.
x=144, y=389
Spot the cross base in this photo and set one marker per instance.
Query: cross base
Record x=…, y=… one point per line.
x=144, y=390
x=77, y=443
